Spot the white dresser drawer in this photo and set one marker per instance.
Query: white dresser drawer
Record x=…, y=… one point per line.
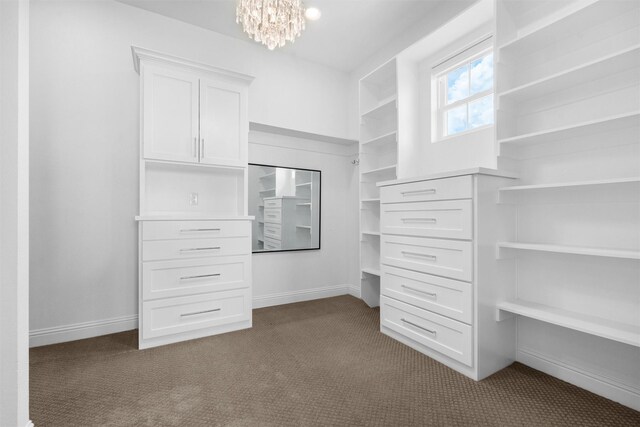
x=184, y=314
x=272, y=231
x=272, y=203
x=449, y=337
x=272, y=216
x=164, y=230
x=447, y=258
x=448, y=219
x=164, y=279
x=156, y=250
x=460, y=187
x=272, y=244
x=451, y=298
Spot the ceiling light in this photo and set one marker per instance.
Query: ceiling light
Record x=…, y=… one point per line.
x=312, y=13
x=271, y=22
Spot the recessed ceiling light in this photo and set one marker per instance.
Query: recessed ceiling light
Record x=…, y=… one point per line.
x=312, y=13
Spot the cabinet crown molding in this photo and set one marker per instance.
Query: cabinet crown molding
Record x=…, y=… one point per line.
x=141, y=54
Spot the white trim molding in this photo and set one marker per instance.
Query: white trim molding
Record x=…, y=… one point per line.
x=598, y=384
x=78, y=331
x=30, y=424
x=280, y=298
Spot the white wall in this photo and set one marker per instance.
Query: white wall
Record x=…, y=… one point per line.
x=14, y=213
x=85, y=125
x=284, y=277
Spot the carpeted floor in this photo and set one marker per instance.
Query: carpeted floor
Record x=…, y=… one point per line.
x=321, y=362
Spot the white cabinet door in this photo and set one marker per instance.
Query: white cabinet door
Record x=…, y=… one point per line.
x=223, y=123
x=170, y=118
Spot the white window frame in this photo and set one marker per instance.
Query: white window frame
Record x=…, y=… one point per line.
x=439, y=79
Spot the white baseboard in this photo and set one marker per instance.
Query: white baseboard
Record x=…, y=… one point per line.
x=598, y=384
x=29, y=424
x=354, y=290
x=298, y=296
x=78, y=331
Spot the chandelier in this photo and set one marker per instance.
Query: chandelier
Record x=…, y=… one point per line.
x=271, y=22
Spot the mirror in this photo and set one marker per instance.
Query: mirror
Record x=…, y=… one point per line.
x=286, y=205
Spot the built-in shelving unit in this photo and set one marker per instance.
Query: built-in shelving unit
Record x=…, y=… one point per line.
x=378, y=100
x=568, y=120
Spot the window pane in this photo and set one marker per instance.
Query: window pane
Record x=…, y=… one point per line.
x=457, y=120
x=481, y=112
x=458, y=84
x=482, y=74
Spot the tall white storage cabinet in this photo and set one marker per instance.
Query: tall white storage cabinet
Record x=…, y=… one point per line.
x=194, y=232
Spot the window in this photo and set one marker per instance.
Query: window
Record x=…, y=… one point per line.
x=465, y=96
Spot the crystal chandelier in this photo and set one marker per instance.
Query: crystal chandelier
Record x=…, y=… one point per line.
x=271, y=22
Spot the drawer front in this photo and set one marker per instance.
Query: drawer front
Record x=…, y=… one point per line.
x=450, y=219
x=460, y=187
x=156, y=250
x=184, y=314
x=272, y=244
x=449, y=337
x=165, y=279
x=272, y=216
x=447, y=258
x=272, y=231
x=272, y=203
x=165, y=230
x=451, y=298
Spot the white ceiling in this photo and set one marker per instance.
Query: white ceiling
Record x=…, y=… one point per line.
x=348, y=32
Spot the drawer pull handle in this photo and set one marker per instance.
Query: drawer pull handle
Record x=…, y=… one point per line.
x=419, y=327
x=198, y=230
x=200, y=249
x=431, y=294
x=416, y=192
x=199, y=312
x=202, y=276
x=429, y=220
x=418, y=254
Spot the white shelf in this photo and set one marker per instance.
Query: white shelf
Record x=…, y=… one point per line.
x=383, y=109
x=269, y=175
x=567, y=23
x=304, y=184
x=593, y=70
x=306, y=227
x=388, y=138
x=379, y=170
x=577, y=130
x=268, y=190
x=621, y=332
x=377, y=200
x=575, y=250
x=212, y=167
x=371, y=233
x=303, y=204
x=634, y=180
x=372, y=271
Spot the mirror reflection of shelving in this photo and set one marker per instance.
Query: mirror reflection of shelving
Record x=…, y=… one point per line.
x=286, y=203
x=378, y=162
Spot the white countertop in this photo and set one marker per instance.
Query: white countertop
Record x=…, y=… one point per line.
x=187, y=217
x=449, y=174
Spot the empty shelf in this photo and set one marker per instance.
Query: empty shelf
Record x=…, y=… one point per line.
x=379, y=170
x=371, y=233
x=391, y=137
x=304, y=184
x=306, y=227
x=585, y=73
x=269, y=175
x=377, y=200
x=384, y=109
x=575, y=250
x=625, y=333
x=634, y=180
x=373, y=271
x=577, y=130
x=303, y=204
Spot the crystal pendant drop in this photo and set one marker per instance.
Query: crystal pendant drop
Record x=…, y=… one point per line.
x=271, y=22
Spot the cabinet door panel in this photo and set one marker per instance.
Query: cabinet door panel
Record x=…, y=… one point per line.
x=223, y=129
x=170, y=122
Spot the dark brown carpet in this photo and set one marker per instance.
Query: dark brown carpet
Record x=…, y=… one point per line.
x=321, y=362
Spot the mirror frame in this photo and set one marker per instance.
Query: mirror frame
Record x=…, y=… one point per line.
x=319, y=207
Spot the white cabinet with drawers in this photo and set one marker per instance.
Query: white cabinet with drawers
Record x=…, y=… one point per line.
x=440, y=278
x=194, y=232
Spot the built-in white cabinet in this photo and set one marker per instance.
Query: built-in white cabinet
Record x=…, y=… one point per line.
x=439, y=278
x=193, y=119
x=194, y=232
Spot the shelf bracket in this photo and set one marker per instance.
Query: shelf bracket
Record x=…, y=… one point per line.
x=502, y=315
